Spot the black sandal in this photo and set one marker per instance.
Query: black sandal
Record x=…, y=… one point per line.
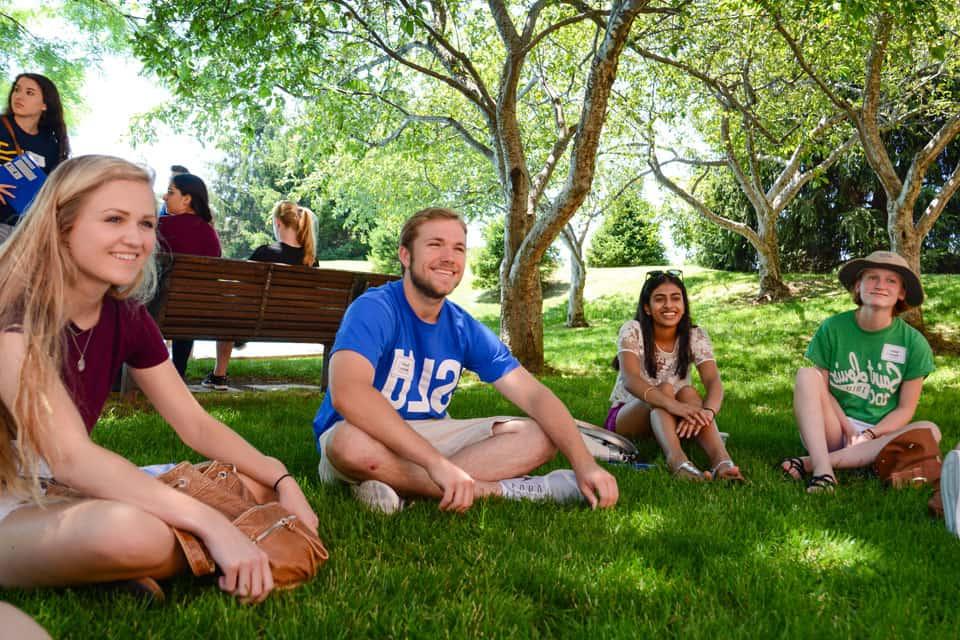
x=825, y=483
x=794, y=464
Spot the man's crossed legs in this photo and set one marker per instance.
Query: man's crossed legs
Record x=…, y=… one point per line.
x=494, y=451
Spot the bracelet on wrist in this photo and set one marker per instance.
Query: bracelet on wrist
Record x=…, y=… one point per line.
x=712, y=410
x=280, y=479
x=870, y=433
x=644, y=396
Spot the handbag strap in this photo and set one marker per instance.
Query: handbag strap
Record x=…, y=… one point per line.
x=13, y=136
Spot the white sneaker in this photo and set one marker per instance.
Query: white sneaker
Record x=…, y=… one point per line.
x=950, y=489
x=378, y=496
x=558, y=486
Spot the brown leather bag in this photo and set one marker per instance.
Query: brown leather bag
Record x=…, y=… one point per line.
x=295, y=552
x=912, y=458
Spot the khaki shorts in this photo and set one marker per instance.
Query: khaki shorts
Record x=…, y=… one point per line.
x=448, y=436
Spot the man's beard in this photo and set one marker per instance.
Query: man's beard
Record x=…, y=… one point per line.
x=423, y=286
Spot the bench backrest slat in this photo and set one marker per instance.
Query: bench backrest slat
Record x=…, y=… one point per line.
x=218, y=298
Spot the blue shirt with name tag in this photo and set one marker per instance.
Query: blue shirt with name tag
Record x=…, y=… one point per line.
x=417, y=364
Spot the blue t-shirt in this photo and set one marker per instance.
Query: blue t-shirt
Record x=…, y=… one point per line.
x=417, y=364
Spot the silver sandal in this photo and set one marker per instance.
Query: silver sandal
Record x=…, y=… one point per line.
x=688, y=471
x=724, y=464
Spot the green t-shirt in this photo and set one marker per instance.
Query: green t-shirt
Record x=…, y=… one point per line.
x=867, y=367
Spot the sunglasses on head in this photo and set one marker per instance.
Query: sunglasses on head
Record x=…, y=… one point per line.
x=676, y=273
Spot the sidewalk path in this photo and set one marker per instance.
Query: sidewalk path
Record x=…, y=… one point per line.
x=261, y=386
x=208, y=349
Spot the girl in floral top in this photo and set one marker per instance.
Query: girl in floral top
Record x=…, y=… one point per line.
x=653, y=394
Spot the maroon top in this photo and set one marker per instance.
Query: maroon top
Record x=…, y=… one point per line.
x=187, y=233
x=125, y=333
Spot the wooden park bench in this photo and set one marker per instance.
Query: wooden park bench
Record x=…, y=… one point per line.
x=219, y=299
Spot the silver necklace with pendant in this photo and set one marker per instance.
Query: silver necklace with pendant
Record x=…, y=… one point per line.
x=82, y=361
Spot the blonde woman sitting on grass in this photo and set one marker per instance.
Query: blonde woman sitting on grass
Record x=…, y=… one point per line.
x=72, y=278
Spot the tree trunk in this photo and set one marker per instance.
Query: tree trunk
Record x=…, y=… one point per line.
x=575, y=315
x=772, y=287
x=905, y=241
x=521, y=316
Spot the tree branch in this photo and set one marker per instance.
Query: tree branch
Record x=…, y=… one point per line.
x=554, y=27
x=724, y=93
x=867, y=123
x=475, y=78
x=564, y=135
x=913, y=182
x=471, y=94
x=731, y=225
x=781, y=199
x=603, y=72
x=409, y=118
x=801, y=59
x=506, y=28
x=756, y=198
x=936, y=206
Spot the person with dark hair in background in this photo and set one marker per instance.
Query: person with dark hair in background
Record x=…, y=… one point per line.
x=175, y=170
x=187, y=228
x=32, y=124
x=653, y=394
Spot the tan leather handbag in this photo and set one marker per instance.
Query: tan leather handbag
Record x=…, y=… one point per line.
x=295, y=552
x=912, y=458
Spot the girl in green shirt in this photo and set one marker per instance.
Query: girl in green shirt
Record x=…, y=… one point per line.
x=867, y=374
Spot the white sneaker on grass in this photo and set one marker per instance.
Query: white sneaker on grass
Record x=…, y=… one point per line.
x=556, y=486
x=378, y=496
x=950, y=489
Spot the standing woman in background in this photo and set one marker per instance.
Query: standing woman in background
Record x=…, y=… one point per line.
x=32, y=124
x=296, y=245
x=187, y=228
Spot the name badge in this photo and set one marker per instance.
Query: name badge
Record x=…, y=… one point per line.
x=894, y=353
x=402, y=365
x=38, y=159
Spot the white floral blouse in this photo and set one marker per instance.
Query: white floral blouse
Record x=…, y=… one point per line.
x=631, y=341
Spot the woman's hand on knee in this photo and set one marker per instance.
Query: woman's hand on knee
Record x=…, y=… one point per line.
x=694, y=414
x=688, y=429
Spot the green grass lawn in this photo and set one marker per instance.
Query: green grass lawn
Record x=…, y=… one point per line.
x=763, y=560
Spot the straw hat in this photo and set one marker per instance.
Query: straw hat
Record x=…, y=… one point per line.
x=850, y=271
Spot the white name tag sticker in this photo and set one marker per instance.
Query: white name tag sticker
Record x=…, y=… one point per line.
x=38, y=159
x=402, y=365
x=894, y=353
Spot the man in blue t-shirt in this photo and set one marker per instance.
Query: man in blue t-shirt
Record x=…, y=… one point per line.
x=383, y=426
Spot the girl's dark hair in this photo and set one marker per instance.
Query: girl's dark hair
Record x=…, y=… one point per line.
x=190, y=185
x=52, y=117
x=646, y=327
